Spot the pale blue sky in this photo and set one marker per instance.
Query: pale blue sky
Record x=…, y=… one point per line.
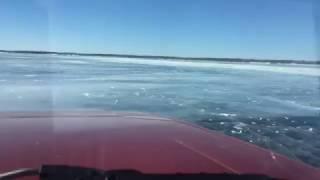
x=271, y=29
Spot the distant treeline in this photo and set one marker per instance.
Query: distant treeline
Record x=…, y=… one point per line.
x=240, y=60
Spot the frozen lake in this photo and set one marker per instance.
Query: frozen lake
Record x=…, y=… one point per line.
x=274, y=106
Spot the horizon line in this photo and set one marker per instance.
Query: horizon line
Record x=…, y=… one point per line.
x=143, y=56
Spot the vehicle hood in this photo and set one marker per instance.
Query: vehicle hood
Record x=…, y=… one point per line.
x=110, y=140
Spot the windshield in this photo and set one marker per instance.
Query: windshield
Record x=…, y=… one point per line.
x=247, y=69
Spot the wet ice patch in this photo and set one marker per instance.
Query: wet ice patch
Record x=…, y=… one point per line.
x=19, y=97
x=86, y=94
x=74, y=62
x=236, y=132
x=239, y=126
x=30, y=75
x=227, y=114
x=137, y=93
x=116, y=101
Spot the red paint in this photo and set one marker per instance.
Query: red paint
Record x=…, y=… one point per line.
x=133, y=141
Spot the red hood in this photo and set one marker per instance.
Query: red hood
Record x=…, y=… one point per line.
x=133, y=141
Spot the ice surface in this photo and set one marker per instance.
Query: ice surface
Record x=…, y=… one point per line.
x=274, y=106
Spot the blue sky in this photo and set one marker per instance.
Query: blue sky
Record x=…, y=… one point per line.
x=272, y=29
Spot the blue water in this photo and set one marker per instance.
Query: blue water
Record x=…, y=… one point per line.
x=273, y=106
